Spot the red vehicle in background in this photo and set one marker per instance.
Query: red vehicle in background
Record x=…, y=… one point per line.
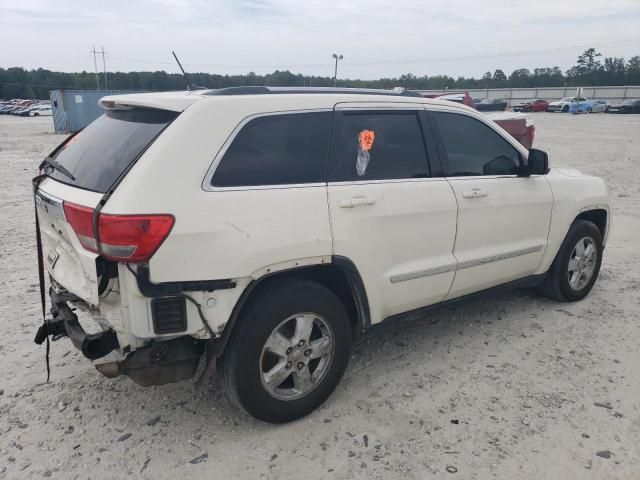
x=514, y=123
x=538, y=105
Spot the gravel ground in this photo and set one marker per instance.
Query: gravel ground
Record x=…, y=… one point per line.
x=510, y=386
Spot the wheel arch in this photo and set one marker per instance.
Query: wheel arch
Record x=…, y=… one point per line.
x=597, y=216
x=340, y=276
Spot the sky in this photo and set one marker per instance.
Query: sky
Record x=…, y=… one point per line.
x=377, y=38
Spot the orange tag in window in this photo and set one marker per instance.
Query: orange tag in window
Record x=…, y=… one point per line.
x=366, y=139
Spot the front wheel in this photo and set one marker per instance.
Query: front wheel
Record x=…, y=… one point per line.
x=577, y=264
x=287, y=352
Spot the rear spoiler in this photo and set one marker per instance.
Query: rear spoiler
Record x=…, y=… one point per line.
x=173, y=101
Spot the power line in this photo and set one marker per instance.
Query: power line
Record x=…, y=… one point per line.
x=409, y=61
x=104, y=67
x=95, y=65
x=65, y=87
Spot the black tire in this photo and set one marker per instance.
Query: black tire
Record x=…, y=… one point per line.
x=557, y=285
x=240, y=365
x=565, y=109
x=36, y=114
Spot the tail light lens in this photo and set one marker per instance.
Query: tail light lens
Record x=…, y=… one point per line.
x=81, y=219
x=123, y=238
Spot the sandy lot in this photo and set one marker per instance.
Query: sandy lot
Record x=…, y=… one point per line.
x=505, y=387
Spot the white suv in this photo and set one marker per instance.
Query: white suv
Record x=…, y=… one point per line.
x=265, y=229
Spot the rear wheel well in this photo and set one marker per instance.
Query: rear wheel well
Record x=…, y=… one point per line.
x=329, y=276
x=597, y=217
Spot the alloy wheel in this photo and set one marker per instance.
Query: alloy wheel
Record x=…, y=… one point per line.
x=582, y=263
x=296, y=356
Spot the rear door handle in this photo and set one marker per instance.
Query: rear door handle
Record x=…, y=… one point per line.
x=475, y=193
x=356, y=201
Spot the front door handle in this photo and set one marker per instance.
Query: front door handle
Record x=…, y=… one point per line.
x=475, y=193
x=356, y=201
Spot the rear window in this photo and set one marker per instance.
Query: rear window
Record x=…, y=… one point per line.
x=99, y=154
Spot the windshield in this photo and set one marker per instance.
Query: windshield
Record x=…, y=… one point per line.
x=566, y=99
x=99, y=154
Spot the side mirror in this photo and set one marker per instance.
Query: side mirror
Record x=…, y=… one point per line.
x=538, y=162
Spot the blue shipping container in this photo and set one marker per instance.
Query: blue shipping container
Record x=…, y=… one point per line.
x=75, y=109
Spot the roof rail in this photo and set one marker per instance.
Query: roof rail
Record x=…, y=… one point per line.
x=261, y=90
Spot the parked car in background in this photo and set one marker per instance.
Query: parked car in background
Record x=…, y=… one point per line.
x=538, y=105
x=41, y=111
x=631, y=105
x=599, y=106
x=459, y=97
x=585, y=106
x=491, y=105
x=301, y=218
x=24, y=112
x=563, y=104
x=515, y=124
x=477, y=100
x=11, y=107
x=20, y=110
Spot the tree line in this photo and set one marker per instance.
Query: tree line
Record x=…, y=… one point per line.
x=591, y=69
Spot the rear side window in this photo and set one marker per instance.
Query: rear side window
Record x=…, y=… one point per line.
x=472, y=148
x=378, y=146
x=277, y=150
x=104, y=150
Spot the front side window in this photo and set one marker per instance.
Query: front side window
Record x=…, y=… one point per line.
x=277, y=150
x=377, y=145
x=473, y=148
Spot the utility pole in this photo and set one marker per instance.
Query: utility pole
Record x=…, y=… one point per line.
x=104, y=67
x=335, y=71
x=95, y=66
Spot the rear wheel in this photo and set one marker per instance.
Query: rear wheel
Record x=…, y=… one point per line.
x=287, y=352
x=577, y=264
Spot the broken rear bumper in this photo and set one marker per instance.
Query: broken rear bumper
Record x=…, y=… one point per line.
x=65, y=324
x=156, y=363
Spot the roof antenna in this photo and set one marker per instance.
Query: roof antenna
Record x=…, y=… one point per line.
x=190, y=84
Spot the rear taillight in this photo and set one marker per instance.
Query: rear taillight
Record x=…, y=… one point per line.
x=134, y=238
x=123, y=238
x=81, y=219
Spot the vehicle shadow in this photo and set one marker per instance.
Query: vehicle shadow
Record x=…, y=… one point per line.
x=388, y=343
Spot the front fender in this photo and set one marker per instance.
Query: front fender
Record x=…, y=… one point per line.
x=573, y=194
